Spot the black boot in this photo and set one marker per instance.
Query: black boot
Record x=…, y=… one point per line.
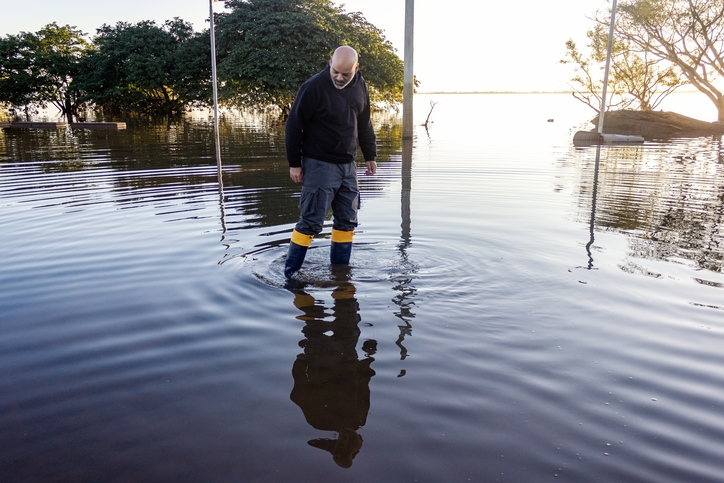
x=341, y=249
x=295, y=258
x=297, y=251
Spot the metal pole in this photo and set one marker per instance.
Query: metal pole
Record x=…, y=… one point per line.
x=608, y=65
x=408, y=75
x=213, y=81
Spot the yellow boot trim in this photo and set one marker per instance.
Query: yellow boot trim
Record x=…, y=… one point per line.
x=344, y=292
x=339, y=236
x=303, y=301
x=302, y=239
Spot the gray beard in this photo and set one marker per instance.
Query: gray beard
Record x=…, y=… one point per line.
x=341, y=87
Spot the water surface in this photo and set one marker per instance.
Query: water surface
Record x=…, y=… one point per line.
x=517, y=309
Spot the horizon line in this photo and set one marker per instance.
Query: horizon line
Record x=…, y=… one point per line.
x=493, y=92
x=683, y=91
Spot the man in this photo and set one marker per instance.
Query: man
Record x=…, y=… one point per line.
x=329, y=119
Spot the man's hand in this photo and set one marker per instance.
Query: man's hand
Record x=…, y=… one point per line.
x=296, y=174
x=371, y=168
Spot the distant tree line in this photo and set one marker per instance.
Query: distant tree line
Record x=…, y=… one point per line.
x=658, y=46
x=265, y=50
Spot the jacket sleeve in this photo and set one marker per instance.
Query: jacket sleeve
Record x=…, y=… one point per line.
x=366, y=133
x=299, y=116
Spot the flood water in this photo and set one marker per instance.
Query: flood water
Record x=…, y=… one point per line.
x=517, y=309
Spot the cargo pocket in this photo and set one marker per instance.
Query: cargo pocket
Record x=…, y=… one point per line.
x=313, y=209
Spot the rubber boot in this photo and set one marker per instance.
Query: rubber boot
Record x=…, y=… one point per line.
x=297, y=251
x=341, y=249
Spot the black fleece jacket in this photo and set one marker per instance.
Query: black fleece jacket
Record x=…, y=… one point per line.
x=329, y=124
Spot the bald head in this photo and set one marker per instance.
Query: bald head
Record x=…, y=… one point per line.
x=345, y=55
x=343, y=66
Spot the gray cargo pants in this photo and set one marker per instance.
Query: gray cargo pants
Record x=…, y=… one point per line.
x=328, y=185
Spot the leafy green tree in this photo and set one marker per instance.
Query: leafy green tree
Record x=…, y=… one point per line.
x=17, y=89
x=268, y=48
x=145, y=68
x=191, y=70
x=635, y=78
x=37, y=69
x=382, y=68
x=688, y=34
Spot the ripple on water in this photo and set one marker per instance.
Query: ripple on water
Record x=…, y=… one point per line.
x=149, y=333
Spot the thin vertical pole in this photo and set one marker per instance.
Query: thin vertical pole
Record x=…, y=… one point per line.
x=608, y=66
x=214, y=89
x=408, y=77
x=406, y=210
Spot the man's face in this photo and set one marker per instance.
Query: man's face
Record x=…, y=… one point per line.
x=342, y=72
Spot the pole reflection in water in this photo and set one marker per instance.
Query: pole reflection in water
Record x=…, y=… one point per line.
x=222, y=206
x=331, y=382
x=592, y=224
x=404, y=282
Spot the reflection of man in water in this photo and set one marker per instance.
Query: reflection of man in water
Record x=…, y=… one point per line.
x=331, y=384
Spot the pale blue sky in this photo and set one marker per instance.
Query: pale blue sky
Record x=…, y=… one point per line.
x=459, y=45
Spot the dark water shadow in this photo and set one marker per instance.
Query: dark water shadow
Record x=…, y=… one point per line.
x=331, y=381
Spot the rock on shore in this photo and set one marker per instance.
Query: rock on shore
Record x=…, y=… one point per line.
x=657, y=125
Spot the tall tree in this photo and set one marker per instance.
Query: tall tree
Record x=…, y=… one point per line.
x=37, y=69
x=268, y=48
x=636, y=79
x=382, y=68
x=17, y=84
x=687, y=33
x=144, y=68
